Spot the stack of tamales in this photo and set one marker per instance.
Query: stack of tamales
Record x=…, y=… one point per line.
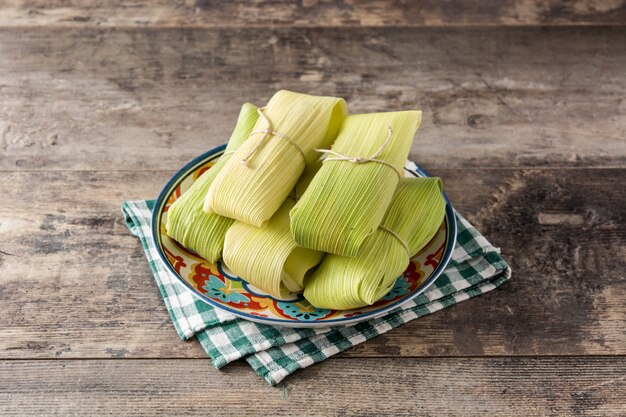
x=306, y=198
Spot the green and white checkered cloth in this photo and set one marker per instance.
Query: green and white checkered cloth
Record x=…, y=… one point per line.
x=275, y=352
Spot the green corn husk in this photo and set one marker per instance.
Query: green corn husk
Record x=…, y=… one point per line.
x=268, y=257
x=347, y=201
x=415, y=215
x=261, y=174
x=187, y=222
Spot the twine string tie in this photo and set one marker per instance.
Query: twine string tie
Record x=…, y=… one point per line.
x=267, y=133
x=363, y=160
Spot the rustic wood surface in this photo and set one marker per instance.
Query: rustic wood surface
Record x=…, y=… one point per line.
x=571, y=386
x=307, y=13
x=151, y=99
x=101, y=102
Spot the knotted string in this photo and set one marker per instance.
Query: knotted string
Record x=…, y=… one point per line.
x=402, y=242
x=267, y=132
x=362, y=160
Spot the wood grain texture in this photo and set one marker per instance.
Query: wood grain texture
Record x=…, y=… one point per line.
x=306, y=13
x=150, y=99
x=361, y=387
x=75, y=284
x=100, y=101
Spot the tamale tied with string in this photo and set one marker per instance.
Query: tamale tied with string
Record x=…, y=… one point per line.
x=347, y=199
x=255, y=182
x=187, y=222
x=412, y=220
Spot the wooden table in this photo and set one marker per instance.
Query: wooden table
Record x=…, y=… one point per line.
x=524, y=119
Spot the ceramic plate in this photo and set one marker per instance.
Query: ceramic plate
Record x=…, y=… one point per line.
x=216, y=285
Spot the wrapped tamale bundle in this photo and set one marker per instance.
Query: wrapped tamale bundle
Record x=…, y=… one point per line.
x=413, y=218
x=264, y=170
x=187, y=222
x=268, y=257
x=347, y=199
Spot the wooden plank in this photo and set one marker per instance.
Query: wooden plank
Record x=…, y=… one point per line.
x=74, y=283
x=240, y=13
x=151, y=99
x=588, y=386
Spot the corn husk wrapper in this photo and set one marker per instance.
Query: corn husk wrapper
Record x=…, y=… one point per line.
x=346, y=201
x=268, y=257
x=187, y=222
x=253, y=192
x=415, y=215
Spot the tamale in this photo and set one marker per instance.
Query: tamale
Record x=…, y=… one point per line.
x=413, y=218
x=255, y=182
x=347, y=199
x=268, y=257
x=187, y=222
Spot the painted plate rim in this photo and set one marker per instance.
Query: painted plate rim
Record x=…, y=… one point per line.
x=172, y=183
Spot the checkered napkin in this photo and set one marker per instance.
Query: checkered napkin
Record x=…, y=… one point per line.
x=275, y=352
